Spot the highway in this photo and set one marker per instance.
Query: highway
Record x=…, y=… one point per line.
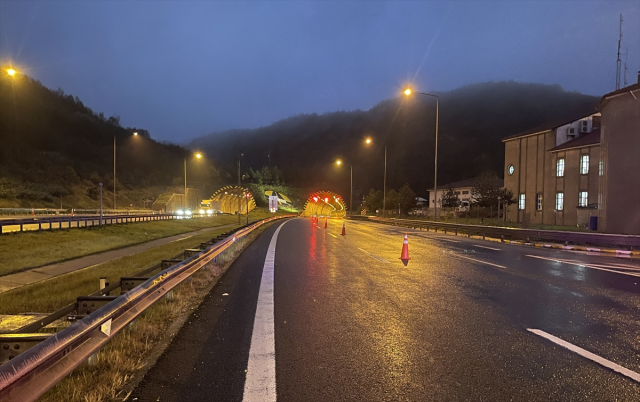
x=336, y=318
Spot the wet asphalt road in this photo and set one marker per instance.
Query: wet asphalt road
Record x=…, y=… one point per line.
x=353, y=324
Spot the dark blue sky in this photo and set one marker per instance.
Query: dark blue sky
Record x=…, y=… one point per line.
x=185, y=69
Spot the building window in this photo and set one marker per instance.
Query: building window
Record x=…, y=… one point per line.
x=601, y=167
x=559, y=201
x=583, y=201
x=510, y=170
x=539, y=202
x=465, y=192
x=521, y=202
x=584, y=164
x=560, y=168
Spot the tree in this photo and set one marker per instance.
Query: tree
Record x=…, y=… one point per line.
x=407, y=198
x=373, y=201
x=449, y=198
x=486, y=190
x=392, y=200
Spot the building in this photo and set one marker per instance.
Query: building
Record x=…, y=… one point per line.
x=619, y=204
x=462, y=189
x=567, y=172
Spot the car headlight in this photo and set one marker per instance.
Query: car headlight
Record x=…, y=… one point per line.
x=209, y=212
x=201, y=212
x=179, y=212
x=187, y=212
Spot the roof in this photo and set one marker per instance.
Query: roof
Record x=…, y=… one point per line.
x=630, y=88
x=462, y=183
x=587, y=140
x=549, y=126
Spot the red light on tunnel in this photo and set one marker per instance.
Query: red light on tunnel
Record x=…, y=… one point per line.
x=326, y=199
x=337, y=198
x=315, y=199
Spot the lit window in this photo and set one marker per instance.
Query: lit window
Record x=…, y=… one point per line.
x=601, y=167
x=539, y=202
x=560, y=168
x=584, y=164
x=583, y=201
x=521, y=202
x=559, y=201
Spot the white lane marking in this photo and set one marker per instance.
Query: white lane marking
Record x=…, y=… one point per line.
x=452, y=241
x=585, y=353
x=331, y=234
x=483, y=262
x=373, y=255
x=260, y=384
x=580, y=264
x=490, y=248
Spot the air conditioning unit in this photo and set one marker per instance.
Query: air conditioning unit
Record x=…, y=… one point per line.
x=584, y=126
x=571, y=131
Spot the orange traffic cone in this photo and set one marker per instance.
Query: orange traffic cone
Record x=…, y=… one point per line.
x=325, y=223
x=71, y=211
x=404, y=256
x=344, y=231
x=32, y=212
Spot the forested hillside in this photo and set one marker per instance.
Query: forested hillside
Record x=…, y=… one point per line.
x=473, y=120
x=52, y=146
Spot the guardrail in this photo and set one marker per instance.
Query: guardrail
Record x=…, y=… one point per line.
x=526, y=235
x=61, y=211
x=88, y=220
x=32, y=373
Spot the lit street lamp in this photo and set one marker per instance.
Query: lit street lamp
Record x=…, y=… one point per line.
x=367, y=141
x=185, y=203
x=11, y=72
x=408, y=92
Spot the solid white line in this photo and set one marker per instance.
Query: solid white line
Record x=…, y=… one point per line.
x=490, y=248
x=484, y=262
x=260, y=384
x=373, y=255
x=585, y=264
x=591, y=356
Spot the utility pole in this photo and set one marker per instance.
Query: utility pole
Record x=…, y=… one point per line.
x=114, y=172
x=351, y=194
x=239, y=189
x=384, y=184
x=100, y=204
x=619, y=62
x=184, y=200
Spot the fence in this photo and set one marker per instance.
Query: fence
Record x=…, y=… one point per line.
x=79, y=220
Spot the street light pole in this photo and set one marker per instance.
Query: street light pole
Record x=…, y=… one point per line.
x=408, y=92
x=351, y=194
x=184, y=201
x=100, y=204
x=384, y=184
x=239, y=187
x=114, y=172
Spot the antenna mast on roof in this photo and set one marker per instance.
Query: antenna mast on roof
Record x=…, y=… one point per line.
x=626, y=56
x=619, y=62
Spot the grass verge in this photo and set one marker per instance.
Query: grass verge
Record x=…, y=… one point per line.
x=20, y=251
x=52, y=294
x=127, y=354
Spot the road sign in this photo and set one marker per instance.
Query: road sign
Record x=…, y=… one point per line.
x=273, y=203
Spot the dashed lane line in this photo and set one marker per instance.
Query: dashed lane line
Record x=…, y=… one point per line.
x=586, y=354
x=331, y=234
x=488, y=248
x=480, y=261
x=373, y=256
x=585, y=265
